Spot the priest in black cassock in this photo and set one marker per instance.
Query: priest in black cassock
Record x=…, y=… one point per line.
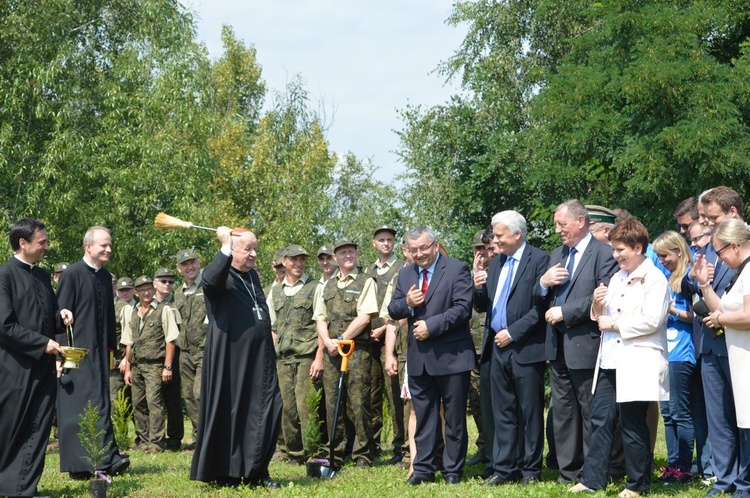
x=240, y=402
x=29, y=320
x=85, y=288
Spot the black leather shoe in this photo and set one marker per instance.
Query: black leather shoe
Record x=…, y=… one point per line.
x=415, y=480
x=119, y=467
x=269, y=483
x=395, y=459
x=476, y=459
x=486, y=473
x=529, y=480
x=495, y=480
x=452, y=479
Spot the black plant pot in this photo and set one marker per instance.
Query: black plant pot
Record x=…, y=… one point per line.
x=98, y=488
x=313, y=466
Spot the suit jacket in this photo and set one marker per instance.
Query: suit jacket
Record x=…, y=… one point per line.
x=446, y=311
x=580, y=333
x=702, y=340
x=525, y=314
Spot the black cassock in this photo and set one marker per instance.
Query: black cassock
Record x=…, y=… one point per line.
x=88, y=295
x=240, y=402
x=29, y=318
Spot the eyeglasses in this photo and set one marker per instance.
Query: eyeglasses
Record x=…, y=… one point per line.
x=721, y=251
x=424, y=249
x=695, y=240
x=683, y=226
x=166, y=282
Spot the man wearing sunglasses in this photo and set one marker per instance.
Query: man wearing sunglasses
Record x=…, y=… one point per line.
x=164, y=284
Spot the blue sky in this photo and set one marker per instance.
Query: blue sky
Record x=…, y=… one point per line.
x=361, y=61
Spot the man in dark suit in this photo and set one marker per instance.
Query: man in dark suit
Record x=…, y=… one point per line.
x=434, y=294
x=514, y=343
x=717, y=205
x=577, y=268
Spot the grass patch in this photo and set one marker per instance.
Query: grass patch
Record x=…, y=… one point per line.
x=167, y=475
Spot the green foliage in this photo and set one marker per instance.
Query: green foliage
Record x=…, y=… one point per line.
x=91, y=437
x=122, y=415
x=625, y=104
x=312, y=432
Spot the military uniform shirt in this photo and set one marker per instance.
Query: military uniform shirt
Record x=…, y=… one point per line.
x=367, y=303
x=168, y=324
x=289, y=291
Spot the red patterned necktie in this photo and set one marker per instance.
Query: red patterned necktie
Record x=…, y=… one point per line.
x=424, y=285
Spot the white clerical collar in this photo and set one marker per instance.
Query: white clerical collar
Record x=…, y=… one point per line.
x=19, y=258
x=91, y=265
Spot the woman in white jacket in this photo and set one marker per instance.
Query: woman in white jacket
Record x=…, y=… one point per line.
x=632, y=367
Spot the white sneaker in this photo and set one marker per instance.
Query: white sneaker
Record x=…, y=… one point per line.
x=708, y=481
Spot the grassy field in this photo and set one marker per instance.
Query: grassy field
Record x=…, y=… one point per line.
x=166, y=475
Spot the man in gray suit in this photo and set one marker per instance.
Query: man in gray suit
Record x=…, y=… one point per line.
x=576, y=268
x=434, y=294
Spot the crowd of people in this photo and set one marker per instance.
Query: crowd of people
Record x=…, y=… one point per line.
x=627, y=330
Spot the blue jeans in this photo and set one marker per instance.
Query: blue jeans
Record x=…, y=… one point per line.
x=678, y=422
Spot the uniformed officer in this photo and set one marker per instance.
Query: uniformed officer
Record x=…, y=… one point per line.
x=383, y=270
x=59, y=268
x=164, y=284
x=326, y=263
x=123, y=312
x=343, y=309
x=191, y=306
x=481, y=262
x=299, y=359
x=150, y=352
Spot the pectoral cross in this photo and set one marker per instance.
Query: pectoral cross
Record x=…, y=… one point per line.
x=257, y=310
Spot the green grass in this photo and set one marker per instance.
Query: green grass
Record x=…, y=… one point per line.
x=167, y=475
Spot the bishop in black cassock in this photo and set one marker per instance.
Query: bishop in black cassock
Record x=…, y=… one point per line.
x=240, y=402
x=29, y=319
x=85, y=289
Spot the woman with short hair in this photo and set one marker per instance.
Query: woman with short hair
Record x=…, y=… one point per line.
x=632, y=368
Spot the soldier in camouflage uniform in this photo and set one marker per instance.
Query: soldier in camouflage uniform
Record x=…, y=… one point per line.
x=150, y=352
x=279, y=271
x=384, y=270
x=123, y=311
x=481, y=262
x=344, y=307
x=299, y=359
x=164, y=283
x=326, y=263
x=191, y=306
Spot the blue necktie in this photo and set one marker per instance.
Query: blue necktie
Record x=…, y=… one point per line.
x=500, y=308
x=562, y=293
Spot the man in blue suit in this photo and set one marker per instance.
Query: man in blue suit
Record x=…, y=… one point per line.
x=514, y=344
x=434, y=294
x=717, y=205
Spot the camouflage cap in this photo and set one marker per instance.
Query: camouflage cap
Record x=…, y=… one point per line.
x=124, y=283
x=478, y=239
x=343, y=242
x=163, y=272
x=142, y=280
x=295, y=250
x=325, y=250
x=61, y=267
x=600, y=213
x=186, y=255
x=384, y=228
x=277, y=256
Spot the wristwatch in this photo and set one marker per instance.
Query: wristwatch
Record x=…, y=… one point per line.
x=340, y=338
x=168, y=368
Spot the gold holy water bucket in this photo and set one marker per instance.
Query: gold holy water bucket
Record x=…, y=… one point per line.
x=73, y=355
